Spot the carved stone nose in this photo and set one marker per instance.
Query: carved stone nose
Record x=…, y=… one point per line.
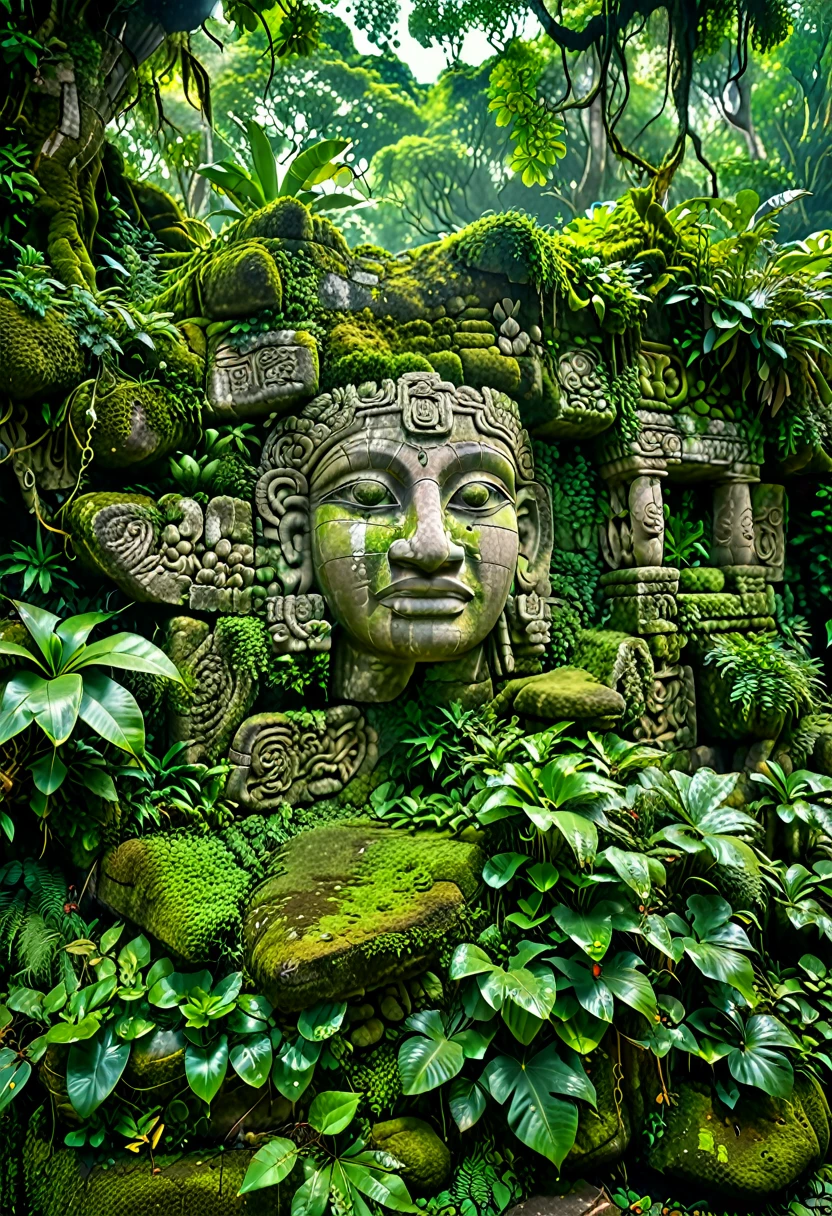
x=427, y=545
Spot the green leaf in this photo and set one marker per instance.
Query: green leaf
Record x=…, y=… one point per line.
x=94, y=1068
x=112, y=712
x=312, y=1197
x=41, y=626
x=205, y=1067
x=631, y=868
x=322, y=1021
x=48, y=772
x=307, y=167
x=14, y=1073
x=580, y=834
x=263, y=160
x=130, y=652
x=592, y=931
x=466, y=1101
x=333, y=1111
x=539, y=1119
x=428, y=1062
x=469, y=960
x=719, y=963
x=385, y=1188
x=75, y=630
x=582, y=1031
x=757, y=1064
x=270, y=1165
x=501, y=868
x=252, y=1060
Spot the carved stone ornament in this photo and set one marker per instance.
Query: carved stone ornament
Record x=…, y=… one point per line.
x=298, y=758
x=217, y=695
x=768, y=505
x=169, y=552
x=272, y=371
x=686, y=448
x=733, y=543
x=670, y=718
x=297, y=623
x=412, y=508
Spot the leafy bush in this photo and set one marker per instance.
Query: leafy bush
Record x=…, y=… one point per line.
x=765, y=674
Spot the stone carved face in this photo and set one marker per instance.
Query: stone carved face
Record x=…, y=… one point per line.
x=414, y=516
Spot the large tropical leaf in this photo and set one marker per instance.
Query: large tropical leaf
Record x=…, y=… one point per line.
x=129, y=652
x=431, y=1058
x=74, y=630
x=542, y=1121
x=41, y=625
x=205, y=1067
x=332, y=1111
x=262, y=157
x=311, y=166
x=93, y=1070
x=52, y=704
x=270, y=1165
x=756, y=1063
x=112, y=712
x=252, y=1060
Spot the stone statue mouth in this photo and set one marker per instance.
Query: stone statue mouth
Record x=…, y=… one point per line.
x=415, y=596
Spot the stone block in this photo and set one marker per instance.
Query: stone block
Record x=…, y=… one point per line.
x=271, y=373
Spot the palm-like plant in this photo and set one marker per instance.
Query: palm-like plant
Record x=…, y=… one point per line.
x=62, y=682
x=250, y=187
x=800, y=800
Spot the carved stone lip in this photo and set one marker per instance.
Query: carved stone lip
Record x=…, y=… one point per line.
x=426, y=597
x=440, y=588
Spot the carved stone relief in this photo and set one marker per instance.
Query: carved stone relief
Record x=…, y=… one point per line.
x=412, y=509
x=218, y=693
x=768, y=504
x=272, y=371
x=688, y=449
x=670, y=720
x=733, y=543
x=298, y=758
x=170, y=552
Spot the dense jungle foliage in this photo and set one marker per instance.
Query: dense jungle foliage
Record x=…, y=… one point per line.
x=643, y=936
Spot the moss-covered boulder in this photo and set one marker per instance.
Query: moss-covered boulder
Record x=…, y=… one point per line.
x=701, y=579
x=185, y=889
x=60, y=1182
x=38, y=355
x=565, y=693
x=240, y=281
x=347, y=906
x=426, y=1160
x=132, y=423
x=751, y=1152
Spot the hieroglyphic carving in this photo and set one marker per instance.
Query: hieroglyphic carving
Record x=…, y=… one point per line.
x=647, y=521
x=271, y=370
x=298, y=758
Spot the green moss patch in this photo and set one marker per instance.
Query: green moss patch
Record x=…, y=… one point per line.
x=348, y=905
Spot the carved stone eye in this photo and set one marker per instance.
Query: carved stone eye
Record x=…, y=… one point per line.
x=476, y=495
x=371, y=494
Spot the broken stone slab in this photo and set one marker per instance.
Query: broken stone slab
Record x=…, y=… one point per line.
x=347, y=906
x=567, y=693
x=270, y=373
x=583, y=1199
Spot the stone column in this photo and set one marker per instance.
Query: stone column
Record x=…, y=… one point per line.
x=647, y=520
x=733, y=525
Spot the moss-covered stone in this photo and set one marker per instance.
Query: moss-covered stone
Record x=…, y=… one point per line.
x=185, y=889
x=38, y=355
x=567, y=693
x=426, y=1160
x=701, y=578
x=487, y=368
x=751, y=1153
x=240, y=281
x=133, y=423
x=603, y=1130
x=449, y=366
x=285, y=218
x=60, y=1182
x=620, y=661
x=346, y=906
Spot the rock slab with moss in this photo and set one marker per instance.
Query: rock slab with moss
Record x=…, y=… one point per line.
x=346, y=906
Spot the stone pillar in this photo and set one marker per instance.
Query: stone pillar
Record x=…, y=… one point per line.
x=768, y=503
x=733, y=525
x=647, y=520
